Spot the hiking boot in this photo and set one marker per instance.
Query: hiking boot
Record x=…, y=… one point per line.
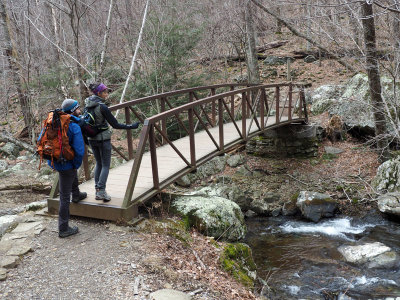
x=68, y=232
x=102, y=195
x=82, y=195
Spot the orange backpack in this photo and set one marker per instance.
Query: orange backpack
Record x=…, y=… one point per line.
x=53, y=143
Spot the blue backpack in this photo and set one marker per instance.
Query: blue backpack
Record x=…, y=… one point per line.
x=88, y=123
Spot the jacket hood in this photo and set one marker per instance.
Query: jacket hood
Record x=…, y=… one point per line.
x=93, y=101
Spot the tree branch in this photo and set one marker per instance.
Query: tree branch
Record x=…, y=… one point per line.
x=301, y=35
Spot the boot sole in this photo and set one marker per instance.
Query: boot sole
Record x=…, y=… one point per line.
x=105, y=200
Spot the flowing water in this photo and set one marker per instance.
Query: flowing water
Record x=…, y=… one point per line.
x=300, y=260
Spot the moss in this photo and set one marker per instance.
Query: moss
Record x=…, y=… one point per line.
x=294, y=197
x=328, y=156
x=238, y=261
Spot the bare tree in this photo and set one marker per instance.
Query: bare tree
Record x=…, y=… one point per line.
x=251, y=54
x=374, y=78
x=105, y=40
x=14, y=63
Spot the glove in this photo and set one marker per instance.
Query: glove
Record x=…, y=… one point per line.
x=134, y=125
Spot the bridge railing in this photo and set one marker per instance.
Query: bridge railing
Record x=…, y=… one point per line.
x=161, y=103
x=263, y=105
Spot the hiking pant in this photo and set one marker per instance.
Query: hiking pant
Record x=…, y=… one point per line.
x=102, y=154
x=68, y=180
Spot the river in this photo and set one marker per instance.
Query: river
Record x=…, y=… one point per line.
x=300, y=260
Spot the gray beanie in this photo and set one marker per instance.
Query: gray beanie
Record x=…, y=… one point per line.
x=69, y=105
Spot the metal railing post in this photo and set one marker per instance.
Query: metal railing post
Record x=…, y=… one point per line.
x=153, y=155
x=221, y=124
x=163, y=122
x=262, y=108
x=232, y=102
x=244, y=113
x=129, y=133
x=277, y=104
x=290, y=101
x=213, y=113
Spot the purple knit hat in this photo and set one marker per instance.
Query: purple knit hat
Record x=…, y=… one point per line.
x=101, y=87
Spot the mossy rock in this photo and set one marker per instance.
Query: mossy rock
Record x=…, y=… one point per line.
x=238, y=261
x=213, y=216
x=175, y=228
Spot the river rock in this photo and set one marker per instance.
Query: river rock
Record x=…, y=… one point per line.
x=315, y=206
x=6, y=222
x=214, y=216
x=3, y=165
x=389, y=203
x=290, y=208
x=332, y=150
x=240, y=197
x=275, y=60
x=235, y=160
x=183, y=181
x=374, y=255
x=10, y=149
x=9, y=261
x=266, y=206
x=3, y=274
x=388, y=176
x=169, y=294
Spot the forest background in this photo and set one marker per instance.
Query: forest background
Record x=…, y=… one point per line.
x=53, y=49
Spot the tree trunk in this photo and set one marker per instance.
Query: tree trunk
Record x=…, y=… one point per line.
x=13, y=61
x=374, y=79
x=105, y=41
x=251, y=54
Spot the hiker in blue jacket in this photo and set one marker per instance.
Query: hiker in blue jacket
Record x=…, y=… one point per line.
x=101, y=143
x=68, y=174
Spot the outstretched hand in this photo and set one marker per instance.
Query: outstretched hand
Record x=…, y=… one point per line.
x=135, y=125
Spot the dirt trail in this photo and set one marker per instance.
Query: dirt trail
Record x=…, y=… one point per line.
x=105, y=261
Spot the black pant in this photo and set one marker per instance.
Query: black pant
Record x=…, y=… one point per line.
x=68, y=180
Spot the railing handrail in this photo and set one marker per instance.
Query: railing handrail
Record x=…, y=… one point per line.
x=184, y=107
x=189, y=90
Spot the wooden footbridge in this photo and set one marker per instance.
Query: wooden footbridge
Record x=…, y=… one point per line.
x=207, y=122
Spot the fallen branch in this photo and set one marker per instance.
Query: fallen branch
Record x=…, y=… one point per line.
x=37, y=187
x=203, y=266
x=297, y=179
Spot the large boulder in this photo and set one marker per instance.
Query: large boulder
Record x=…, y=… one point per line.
x=389, y=203
x=353, y=106
x=387, y=177
x=214, y=216
x=324, y=97
x=373, y=255
x=352, y=102
x=315, y=206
